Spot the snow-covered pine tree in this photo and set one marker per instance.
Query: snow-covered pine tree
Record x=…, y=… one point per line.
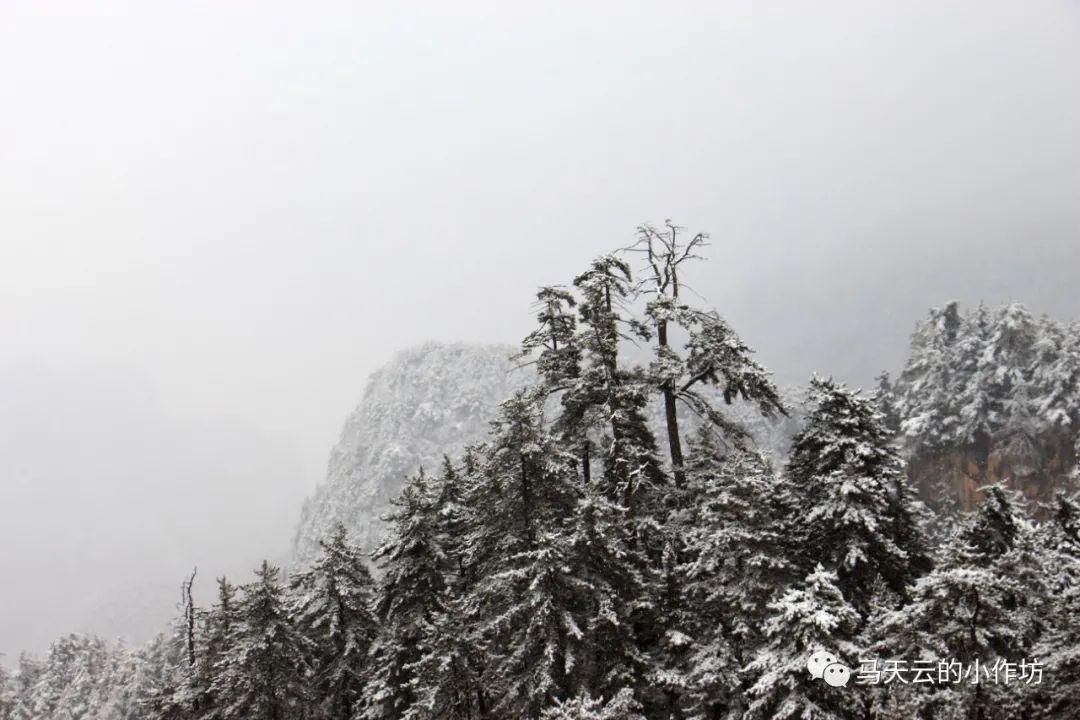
x=523, y=485
x=973, y=376
x=583, y=707
x=663, y=633
x=1055, y=376
x=447, y=674
x=912, y=520
x=1010, y=352
x=618, y=397
x=742, y=545
x=1019, y=440
x=885, y=397
x=1026, y=578
x=846, y=471
x=990, y=396
x=716, y=357
x=408, y=599
x=452, y=517
x=712, y=363
x=263, y=676
x=332, y=607
x=159, y=680
x=739, y=557
x=1059, y=648
x=1003, y=538
x=27, y=680
x=447, y=684
x=154, y=669
x=926, y=399
x=119, y=693
x=70, y=679
x=215, y=636
x=7, y=693
x=612, y=579
x=809, y=618
x=956, y=614
x=1065, y=526
x=1010, y=348
x=1054, y=392
x=522, y=608
x=983, y=601
x=992, y=531
x=533, y=639
x=632, y=471
x=556, y=349
x=554, y=342
x=604, y=406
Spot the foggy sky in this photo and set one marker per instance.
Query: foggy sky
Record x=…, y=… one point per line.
x=217, y=218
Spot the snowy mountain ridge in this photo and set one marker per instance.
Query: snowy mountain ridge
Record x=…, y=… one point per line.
x=427, y=402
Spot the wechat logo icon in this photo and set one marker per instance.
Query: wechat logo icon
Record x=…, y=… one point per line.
x=823, y=665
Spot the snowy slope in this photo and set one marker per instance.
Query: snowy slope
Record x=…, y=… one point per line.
x=428, y=401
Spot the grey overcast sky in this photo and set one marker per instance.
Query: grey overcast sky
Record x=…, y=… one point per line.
x=217, y=218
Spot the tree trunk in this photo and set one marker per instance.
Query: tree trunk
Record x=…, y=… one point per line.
x=586, y=463
x=671, y=416
x=674, y=443
x=526, y=504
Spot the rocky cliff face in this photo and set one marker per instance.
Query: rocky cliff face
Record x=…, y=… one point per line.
x=428, y=402
x=1036, y=471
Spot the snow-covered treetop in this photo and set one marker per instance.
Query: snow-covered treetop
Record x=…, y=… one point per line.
x=975, y=377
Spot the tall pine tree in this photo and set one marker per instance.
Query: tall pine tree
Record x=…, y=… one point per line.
x=409, y=595
x=810, y=618
x=858, y=520
x=333, y=609
x=521, y=609
x=983, y=603
x=263, y=675
x=740, y=556
x=448, y=672
x=215, y=637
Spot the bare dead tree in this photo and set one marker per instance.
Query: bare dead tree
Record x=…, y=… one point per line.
x=665, y=254
x=189, y=617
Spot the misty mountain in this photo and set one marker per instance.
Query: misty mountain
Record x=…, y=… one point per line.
x=427, y=402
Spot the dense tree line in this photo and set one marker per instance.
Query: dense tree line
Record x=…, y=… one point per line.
x=580, y=565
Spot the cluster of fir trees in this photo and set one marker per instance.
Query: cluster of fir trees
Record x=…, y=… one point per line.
x=989, y=380
x=83, y=677
x=571, y=568
x=269, y=649
x=331, y=643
